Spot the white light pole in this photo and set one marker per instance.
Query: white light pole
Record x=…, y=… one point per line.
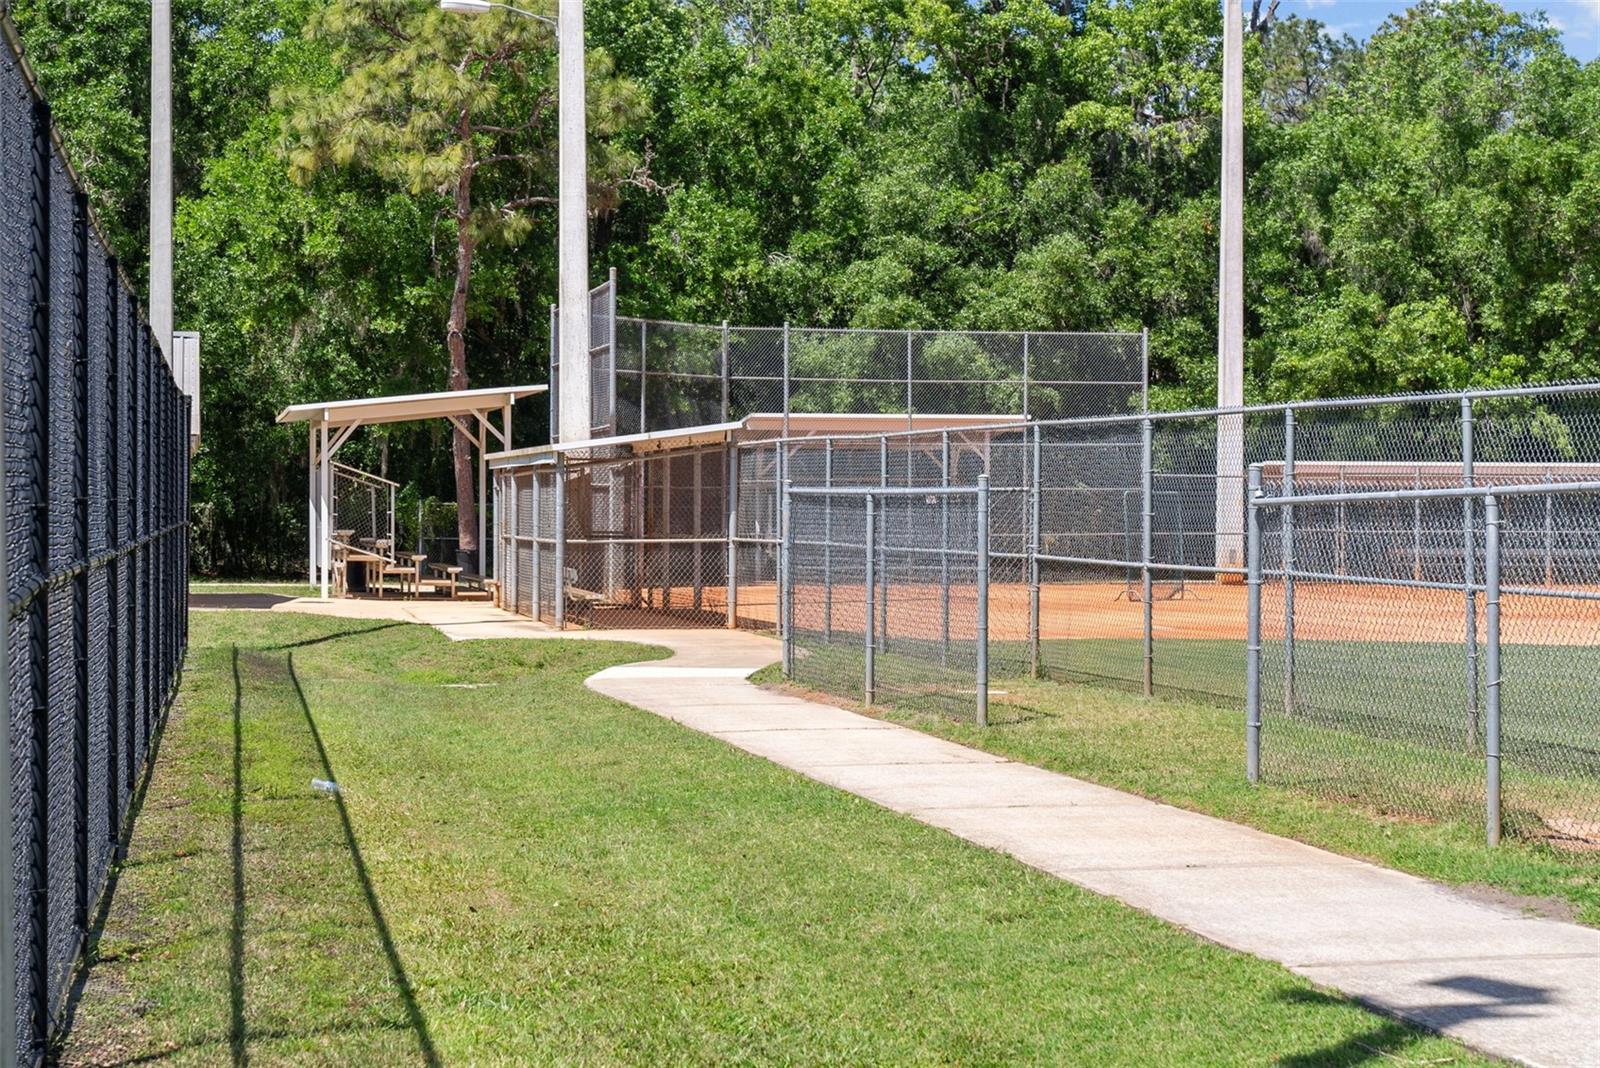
x=1230, y=295
x=573, y=211
x=161, y=175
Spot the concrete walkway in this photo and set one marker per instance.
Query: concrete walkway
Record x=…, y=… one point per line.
x=1523, y=988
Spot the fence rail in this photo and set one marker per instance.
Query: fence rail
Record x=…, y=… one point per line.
x=95, y=554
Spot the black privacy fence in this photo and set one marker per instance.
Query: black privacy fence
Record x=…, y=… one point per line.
x=96, y=475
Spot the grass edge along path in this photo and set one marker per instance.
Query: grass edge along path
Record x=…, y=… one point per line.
x=519, y=870
x=1190, y=753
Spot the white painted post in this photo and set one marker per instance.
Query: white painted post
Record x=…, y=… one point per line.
x=573, y=224
x=325, y=510
x=161, y=176
x=313, y=558
x=1230, y=295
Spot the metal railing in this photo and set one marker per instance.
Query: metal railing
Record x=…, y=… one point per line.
x=95, y=554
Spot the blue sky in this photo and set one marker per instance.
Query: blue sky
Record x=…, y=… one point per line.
x=1578, y=20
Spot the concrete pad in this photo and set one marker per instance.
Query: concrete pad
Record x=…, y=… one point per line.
x=924, y=790
x=825, y=748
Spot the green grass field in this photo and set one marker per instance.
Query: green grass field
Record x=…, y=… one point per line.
x=521, y=871
x=284, y=589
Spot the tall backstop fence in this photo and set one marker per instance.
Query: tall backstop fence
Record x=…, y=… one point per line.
x=649, y=375
x=95, y=507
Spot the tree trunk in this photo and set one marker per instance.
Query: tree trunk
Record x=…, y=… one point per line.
x=456, y=343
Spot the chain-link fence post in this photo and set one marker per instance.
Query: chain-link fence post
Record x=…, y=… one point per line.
x=786, y=577
x=1469, y=573
x=869, y=679
x=1252, y=646
x=944, y=548
x=910, y=376
x=733, y=537
x=1491, y=613
x=1034, y=500
x=787, y=399
x=1144, y=369
x=1549, y=533
x=1416, y=528
x=559, y=533
x=727, y=381
x=1027, y=376
x=1287, y=553
x=79, y=432
x=883, y=548
x=981, y=629
x=1146, y=524
x=644, y=377
x=827, y=542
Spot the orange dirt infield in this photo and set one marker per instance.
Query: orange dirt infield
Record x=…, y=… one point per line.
x=1201, y=610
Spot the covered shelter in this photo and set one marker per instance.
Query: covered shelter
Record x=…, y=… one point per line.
x=331, y=423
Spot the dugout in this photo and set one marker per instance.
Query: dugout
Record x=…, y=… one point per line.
x=680, y=527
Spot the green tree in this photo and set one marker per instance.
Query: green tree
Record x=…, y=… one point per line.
x=461, y=112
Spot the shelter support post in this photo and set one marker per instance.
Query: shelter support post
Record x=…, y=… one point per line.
x=325, y=509
x=313, y=530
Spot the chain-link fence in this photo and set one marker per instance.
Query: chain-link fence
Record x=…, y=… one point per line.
x=363, y=510
x=653, y=375
x=887, y=592
x=1431, y=651
x=95, y=553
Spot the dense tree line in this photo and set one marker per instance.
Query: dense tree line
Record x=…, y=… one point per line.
x=1423, y=209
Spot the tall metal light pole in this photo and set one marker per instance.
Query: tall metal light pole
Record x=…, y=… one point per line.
x=1230, y=295
x=161, y=175
x=572, y=318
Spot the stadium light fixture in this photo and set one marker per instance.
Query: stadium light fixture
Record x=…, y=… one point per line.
x=483, y=7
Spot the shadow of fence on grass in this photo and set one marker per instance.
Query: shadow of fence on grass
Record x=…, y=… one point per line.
x=241, y=1035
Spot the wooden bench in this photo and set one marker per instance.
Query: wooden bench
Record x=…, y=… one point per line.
x=466, y=580
x=446, y=577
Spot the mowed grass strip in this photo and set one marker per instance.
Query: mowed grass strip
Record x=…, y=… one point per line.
x=518, y=871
